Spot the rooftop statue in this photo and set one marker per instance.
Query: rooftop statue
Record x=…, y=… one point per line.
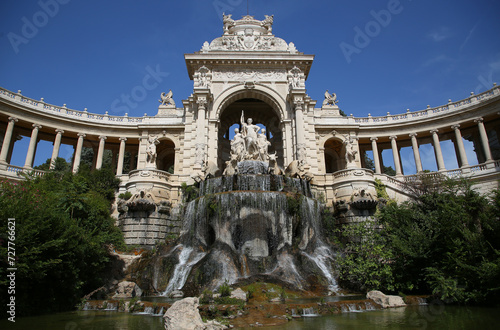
x=330, y=98
x=166, y=99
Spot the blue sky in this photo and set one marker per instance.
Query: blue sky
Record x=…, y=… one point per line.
x=88, y=54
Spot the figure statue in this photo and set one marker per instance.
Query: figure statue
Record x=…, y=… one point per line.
x=330, y=98
x=263, y=145
x=151, y=152
x=166, y=99
x=203, y=77
x=228, y=22
x=350, y=153
x=238, y=145
x=249, y=132
x=268, y=23
x=294, y=79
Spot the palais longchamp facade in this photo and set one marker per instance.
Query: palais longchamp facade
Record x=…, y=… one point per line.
x=249, y=102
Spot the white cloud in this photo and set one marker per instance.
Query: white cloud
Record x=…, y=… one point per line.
x=440, y=34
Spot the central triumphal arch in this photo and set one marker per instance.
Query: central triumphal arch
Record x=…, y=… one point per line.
x=248, y=72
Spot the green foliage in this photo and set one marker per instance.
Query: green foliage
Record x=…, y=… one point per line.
x=293, y=202
x=211, y=205
x=369, y=164
x=446, y=242
x=190, y=192
x=206, y=297
x=380, y=189
x=225, y=289
x=251, y=291
x=63, y=232
x=364, y=262
x=389, y=170
x=126, y=195
x=328, y=224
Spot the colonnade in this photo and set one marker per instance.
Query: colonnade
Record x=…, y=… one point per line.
x=8, y=142
x=435, y=138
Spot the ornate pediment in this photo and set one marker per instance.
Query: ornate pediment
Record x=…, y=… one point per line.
x=248, y=34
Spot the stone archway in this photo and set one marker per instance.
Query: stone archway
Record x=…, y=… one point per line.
x=262, y=108
x=165, y=159
x=334, y=155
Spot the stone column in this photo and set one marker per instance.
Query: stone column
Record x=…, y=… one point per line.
x=78, y=152
x=416, y=152
x=376, y=158
x=437, y=150
x=6, y=140
x=300, y=132
x=395, y=155
x=121, y=156
x=55, y=150
x=100, y=152
x=200, y=139
x=32, y=146
x=484, y=139
x=460, y=146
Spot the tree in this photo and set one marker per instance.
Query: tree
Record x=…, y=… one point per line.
x=62, y=237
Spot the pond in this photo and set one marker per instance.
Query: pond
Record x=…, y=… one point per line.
x=433, y=316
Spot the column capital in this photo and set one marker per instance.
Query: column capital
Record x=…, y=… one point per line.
x=102, y=137
x=36, y=126
x=59, y=131
x=455, y=127
x=123, y=139
x=373, y=138
x=478, y=120
x=412, y=135
x=393, y=137
x=81, y=135
x=13, y=119
x=433, y=131
x=201, y=101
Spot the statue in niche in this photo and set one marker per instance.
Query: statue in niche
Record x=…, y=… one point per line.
x=249, y=132
x=330, y=98
x=249, y=144
x=263, y=145
x=350, y=153
x=151, y=152
x=238, y=145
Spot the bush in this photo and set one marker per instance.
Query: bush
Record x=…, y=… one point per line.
x=63, y=233
x=225, y=289
x=126, y=195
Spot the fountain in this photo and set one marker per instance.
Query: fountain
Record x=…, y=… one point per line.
x=248, y=226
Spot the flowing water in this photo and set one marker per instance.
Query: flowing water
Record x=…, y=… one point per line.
x=432, y=316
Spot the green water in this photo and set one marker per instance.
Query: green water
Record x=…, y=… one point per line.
x=411, y=317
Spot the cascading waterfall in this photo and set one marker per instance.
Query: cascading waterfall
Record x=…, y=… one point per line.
x=187, y=259
x=251, y=225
